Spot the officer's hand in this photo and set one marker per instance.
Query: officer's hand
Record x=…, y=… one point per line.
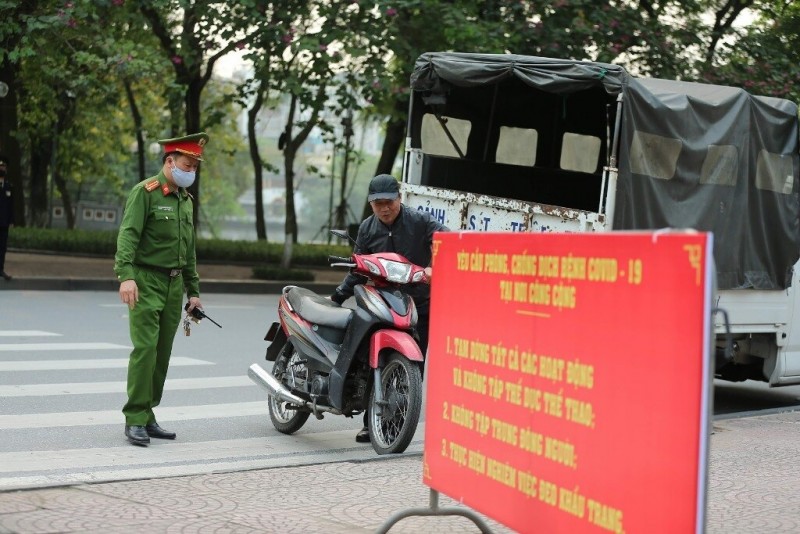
x=194, y=302
x=129, y=293
x=429, y=274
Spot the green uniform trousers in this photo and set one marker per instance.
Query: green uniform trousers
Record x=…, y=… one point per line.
x=153, y=324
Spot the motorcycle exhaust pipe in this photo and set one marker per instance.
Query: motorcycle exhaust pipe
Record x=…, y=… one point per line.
x=258, y=375
x=261, y=377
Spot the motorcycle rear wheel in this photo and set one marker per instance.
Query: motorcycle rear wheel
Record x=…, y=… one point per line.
x=285, y=417
x=392, y=426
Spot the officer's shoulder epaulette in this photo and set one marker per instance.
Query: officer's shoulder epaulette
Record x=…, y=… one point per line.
x=152, y=185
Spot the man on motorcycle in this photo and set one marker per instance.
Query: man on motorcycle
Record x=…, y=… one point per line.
x=393, y=227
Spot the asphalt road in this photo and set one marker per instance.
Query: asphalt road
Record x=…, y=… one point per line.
x=63, y=361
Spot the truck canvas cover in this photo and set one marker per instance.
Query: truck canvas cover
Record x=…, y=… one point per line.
x=714, y=158
x=690, y=155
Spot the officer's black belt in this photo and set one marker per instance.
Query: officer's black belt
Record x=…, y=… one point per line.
x=172, y=273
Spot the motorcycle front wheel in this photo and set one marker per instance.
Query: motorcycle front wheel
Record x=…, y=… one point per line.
x=286, y=418
x=392, y=425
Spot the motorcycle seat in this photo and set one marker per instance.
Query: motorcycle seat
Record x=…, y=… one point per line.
x=318, y=310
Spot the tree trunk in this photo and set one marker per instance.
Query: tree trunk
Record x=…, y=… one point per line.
x=258, y=167
x=341, y=209
x=193, y=91
x=9, y=146
x=138, y=128
x=66, y=199
x=291, y=146
x=41, y=153
x=290, y=231
x=395, y=133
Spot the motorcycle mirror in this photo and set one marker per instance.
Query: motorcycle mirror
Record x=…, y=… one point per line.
x=342, y=234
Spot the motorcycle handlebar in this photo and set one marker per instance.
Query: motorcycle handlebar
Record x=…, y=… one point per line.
x=339, y=259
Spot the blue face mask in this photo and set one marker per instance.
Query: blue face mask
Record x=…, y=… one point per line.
x=182, y=178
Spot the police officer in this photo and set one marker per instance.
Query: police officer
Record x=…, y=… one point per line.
x=393, y=227
x=155, y=263
x=6, y=214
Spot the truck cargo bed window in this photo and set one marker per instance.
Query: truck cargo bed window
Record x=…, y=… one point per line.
x=654, y=155
x=774, y=172
x=580, y=152
x=435, y=140
x=720, y=166
x=517, y=146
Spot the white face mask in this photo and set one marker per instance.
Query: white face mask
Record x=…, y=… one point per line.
x=182, y=178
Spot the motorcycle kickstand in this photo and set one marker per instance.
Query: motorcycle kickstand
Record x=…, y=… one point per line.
x=319, y=415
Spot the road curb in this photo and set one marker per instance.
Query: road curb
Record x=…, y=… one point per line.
x=259, y=287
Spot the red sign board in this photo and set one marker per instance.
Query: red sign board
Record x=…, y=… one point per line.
x=568, y=379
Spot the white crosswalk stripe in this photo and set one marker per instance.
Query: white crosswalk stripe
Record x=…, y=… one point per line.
x=62, y=422
x=39, y=347
x=87, y=388
x=62, y=365
x=109, y=417
x=26, y=333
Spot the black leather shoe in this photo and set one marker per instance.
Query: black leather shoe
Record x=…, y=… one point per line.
x=155, y=431
x=5, y=275
x=137, y=435
x=363, y=435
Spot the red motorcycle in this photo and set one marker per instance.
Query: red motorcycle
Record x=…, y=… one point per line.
x=344, y=361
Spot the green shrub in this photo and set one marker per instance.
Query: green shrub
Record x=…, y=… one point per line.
x=100, y=243
x=104, y=243
x=266, y=272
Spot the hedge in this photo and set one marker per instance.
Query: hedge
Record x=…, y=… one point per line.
x=104, y=243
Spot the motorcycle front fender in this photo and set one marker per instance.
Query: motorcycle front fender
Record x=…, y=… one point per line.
x=402, y=342
x=278, y=342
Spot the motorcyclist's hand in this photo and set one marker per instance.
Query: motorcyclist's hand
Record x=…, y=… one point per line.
x=428, y=274
x=129, y=293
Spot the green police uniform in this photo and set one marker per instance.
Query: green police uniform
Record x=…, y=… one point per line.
x=156, y=248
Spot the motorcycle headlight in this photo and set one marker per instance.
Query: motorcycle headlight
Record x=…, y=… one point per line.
x=395, y=271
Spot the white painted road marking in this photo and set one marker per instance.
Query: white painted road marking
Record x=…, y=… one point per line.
x=26, y=333
x=109, y=417
x=64, y=365
x=85, y=388
x=39, y=347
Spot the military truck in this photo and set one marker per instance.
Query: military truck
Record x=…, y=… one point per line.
x=529, y=144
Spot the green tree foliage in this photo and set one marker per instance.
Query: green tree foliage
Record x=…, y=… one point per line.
x=319, y=56
x=194, y=35
x=765, y=60
x=93, y=83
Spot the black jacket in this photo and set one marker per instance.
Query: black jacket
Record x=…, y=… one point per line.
x=410, y=235
x=6, y=204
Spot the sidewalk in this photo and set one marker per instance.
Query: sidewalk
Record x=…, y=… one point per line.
x=752, y=488
x=41, y=271
x=752, y=484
